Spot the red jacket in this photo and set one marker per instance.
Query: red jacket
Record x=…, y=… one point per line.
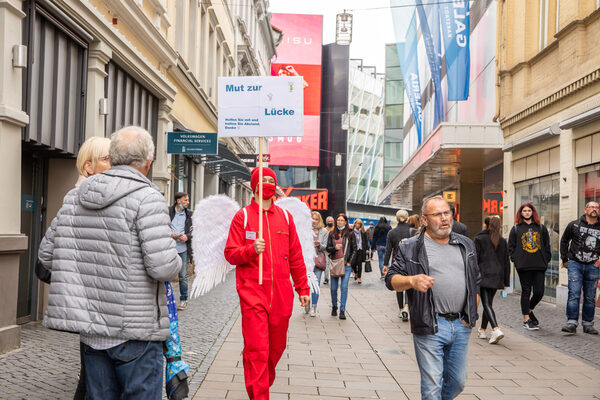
x=282, y=255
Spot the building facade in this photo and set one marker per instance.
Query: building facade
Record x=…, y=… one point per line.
x=394, y=115
x=73, y=70
x=549, y=111
x=451, y=149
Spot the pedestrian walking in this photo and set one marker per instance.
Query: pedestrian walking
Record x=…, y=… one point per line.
x=341, y=246
x=379, y=240
x=414, y=224
x=458, y=227
x=494, y=265
x=360, y=256
x=329, y=225
x=396, y=235
x=110, y=279
x=580, y=251
x=370, y=232
x=440, y=266
x=529, y=250
x=321, y=234
x=181, y=227
x=267, y=307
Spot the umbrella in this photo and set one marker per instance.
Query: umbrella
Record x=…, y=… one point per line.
x=176, y=372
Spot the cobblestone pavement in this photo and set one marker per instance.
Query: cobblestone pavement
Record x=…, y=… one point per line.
x=47, y=364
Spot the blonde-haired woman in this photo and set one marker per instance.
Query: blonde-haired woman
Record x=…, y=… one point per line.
x=360, y=235
x=320, y=235
x=93, y=157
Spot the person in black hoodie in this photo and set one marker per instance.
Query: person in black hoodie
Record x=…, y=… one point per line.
x=580, y=251
x=379, y=240
x=492, y=257
x=529, y=249
x=396, y=235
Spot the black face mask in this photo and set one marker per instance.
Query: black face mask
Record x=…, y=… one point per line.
x=330, y=224
x=528, y=219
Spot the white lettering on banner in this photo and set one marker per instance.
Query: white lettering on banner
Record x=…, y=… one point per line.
x=414, y=82
x=461, y=39
x=298, y=40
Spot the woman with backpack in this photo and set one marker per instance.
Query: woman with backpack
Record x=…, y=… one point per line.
x=341, y=246
x=492, y=258
x=529, y=249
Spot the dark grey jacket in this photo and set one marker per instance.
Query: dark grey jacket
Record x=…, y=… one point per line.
x=110, y=249
x=411, y=259
x=396, y=235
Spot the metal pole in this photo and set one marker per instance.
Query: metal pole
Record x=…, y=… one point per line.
x=260, y=207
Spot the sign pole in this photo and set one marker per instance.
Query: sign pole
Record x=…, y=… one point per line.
x=260, y=207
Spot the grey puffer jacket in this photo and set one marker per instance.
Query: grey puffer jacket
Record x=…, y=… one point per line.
x=109, y=249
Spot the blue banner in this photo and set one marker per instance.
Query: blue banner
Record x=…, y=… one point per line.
x=456, y=28
x=430, y=29
x=409, y=65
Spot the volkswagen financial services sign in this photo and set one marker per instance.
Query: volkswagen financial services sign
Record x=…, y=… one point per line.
x=261, y=106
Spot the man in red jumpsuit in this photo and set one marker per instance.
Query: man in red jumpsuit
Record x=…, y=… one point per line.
x=267, y=308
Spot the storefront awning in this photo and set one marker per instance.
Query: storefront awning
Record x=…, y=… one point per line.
x=436, y=165
x=227, y=164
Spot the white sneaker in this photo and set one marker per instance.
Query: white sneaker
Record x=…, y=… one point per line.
x=481, y=334
x=313, y=311
x=496, y=336
x=182, y=305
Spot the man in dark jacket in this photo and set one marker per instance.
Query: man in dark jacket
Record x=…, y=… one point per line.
x=439, y=271
x=181, y=226
x=396, y=235
x=458, y=227
x=580, y=251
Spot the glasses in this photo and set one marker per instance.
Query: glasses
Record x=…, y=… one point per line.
x=594, y=207
x=439, y=214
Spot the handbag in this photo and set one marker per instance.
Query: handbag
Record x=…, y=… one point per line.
x=338, y=265
x=368, y=266
x=320, y=262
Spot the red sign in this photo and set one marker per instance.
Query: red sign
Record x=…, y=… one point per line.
x=315, y=199
x=493, y=203
x=299, y=54
x=266, y=158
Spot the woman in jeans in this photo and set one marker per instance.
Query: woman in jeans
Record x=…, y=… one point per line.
x=320, y=234
x=360, y=236
x=492, y=258
x=529, y=249
x=341, y=244
x=379, y=239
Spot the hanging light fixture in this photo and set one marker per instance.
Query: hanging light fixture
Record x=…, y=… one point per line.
x=343, y=28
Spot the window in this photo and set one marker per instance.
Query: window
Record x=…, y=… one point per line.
x=192, y=35
x=180, y=27
x=212, y=43
x=543, y=24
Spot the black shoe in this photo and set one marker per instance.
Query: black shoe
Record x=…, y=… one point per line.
x=404, y=316
x=326, y=281
x=529, y=325
x=533, y=319
x=334, y=311
x=590, y=329
x=570, y=328
x=342, y=314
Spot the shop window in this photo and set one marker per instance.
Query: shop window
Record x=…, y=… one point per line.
x=544, y=194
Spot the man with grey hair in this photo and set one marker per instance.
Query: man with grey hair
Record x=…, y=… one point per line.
x=109, y=249
x=396, y=235
x=439, y=272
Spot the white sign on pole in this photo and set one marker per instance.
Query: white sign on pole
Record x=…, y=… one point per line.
x=261, y=106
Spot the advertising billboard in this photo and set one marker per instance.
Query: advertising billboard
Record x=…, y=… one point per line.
x=299, y=54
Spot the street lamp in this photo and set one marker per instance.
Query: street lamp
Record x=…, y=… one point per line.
x=343, y=29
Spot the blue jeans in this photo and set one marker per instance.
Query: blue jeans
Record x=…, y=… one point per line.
x=315, y=296
x=131, y=370
x=334, y=287
x=183, y=278
x=581, y=276
x=380, y=257
x=442, y=360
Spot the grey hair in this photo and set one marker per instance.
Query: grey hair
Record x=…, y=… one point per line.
x=134, y=150
x=402, y=215
x=429, y=199
x=589, y=202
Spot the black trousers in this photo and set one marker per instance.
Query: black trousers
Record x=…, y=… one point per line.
x=357, y=267
x=400, y=298
x=531, y=281
x=487, y=298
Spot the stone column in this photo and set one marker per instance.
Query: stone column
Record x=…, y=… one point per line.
x=160, y=172
x=12, y=119
x=99, y=55
x=199, y=195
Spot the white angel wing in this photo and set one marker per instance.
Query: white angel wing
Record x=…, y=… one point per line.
x=211, y=221
x=303, y=220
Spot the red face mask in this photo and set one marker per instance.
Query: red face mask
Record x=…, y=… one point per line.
x=268, y=190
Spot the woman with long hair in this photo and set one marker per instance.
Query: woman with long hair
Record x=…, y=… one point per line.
x=341, y=245
x=360, y=237
x=529, y=249
x=414, y=224
x=492, y=257
x=379, y=240
x=320, y=235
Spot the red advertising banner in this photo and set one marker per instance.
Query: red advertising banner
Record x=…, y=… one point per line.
x=299, y=54
x=315, y=199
